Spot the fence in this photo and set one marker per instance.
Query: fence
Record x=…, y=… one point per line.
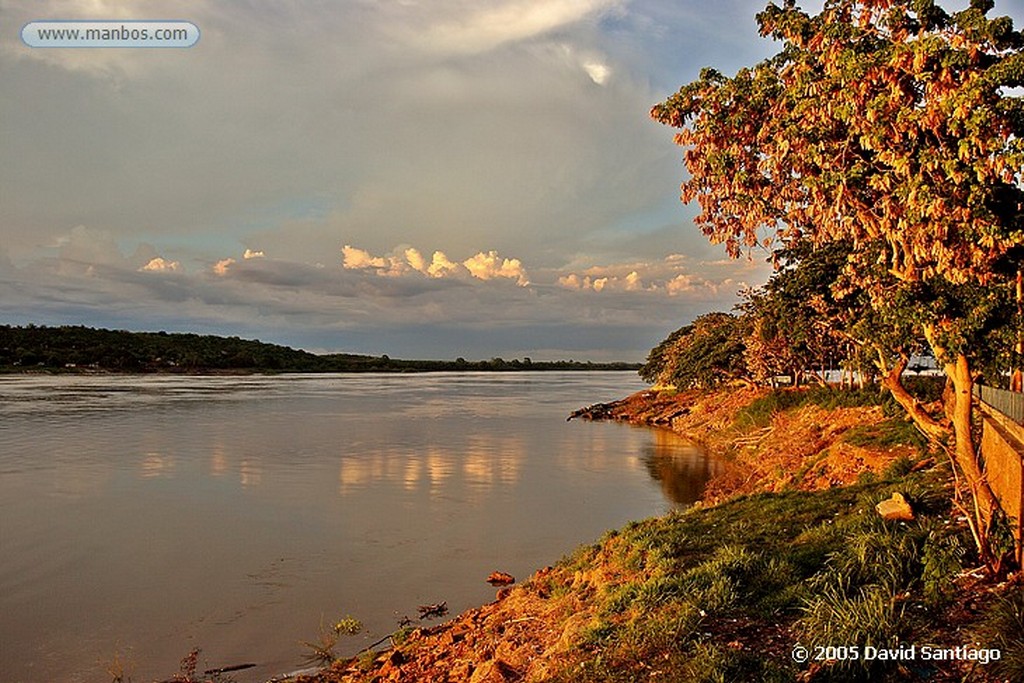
x=1009, y=403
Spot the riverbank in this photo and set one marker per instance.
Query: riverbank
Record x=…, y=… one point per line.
x=771, y=441
x=786, y=558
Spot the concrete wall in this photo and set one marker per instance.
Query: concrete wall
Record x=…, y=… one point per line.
x=1002, y=448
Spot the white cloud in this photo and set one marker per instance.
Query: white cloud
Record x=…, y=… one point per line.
x=416, y=260
x=675, y=276
x=360, y=258
x=473, y=26
x=681, y=284
x=482, y=265
x=442, y=266
x=597, y=71
x=250, y=254
x=223, y=266
x=489, y=266
x=161, y=265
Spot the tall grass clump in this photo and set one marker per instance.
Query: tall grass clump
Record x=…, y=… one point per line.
x=709, y=663
x=853, y=617
x=1004, y=629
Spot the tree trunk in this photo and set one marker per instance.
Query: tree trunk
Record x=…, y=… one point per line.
x=958, y=372
x=966, y=457
x=1016, y=375
x=892, y=379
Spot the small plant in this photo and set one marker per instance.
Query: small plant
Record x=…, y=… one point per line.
x=400, y=636
x=367, y=658
x=942, y=559
x=596, y=633
x=321, y=650
x=348, y=626
x=120, y=668
x=759, y=412
x=708, y=663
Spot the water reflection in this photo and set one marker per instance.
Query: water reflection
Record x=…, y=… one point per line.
x=250, y=473
x=681, y=467
x=218, y=460
x=155, y=465
x=480, y=464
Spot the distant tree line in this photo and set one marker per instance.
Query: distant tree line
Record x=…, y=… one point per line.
x=77, y=348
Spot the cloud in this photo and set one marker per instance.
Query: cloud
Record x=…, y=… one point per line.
x=161, y=265
x=88, y=245
x=488, y=139
x=249, y=254
x=360, y=258
x=489, y=266
x=472, y=27
x=390, y=305
x=442, y=266
x=482, y=266
x=597, y=71
x=416, y=260
x=675, y=275
x=223, y=266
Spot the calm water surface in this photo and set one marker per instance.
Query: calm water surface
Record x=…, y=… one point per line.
x=143, y=516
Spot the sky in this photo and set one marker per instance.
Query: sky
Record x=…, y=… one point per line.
x=421, y=178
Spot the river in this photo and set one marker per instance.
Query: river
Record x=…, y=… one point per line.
x=144, y=516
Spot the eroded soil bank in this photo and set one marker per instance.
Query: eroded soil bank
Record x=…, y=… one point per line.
x=768, y=445
x=785, y=552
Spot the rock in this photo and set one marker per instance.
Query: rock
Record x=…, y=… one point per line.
x=500, y=579
x=460, y=671
x=390, y=668
x=454, y=634
x=895, y=508
x=494, y=671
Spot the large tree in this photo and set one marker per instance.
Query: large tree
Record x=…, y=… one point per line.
x=889, y=125
x=704, y=354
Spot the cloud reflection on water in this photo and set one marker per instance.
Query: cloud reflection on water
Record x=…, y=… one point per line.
x=476, y=467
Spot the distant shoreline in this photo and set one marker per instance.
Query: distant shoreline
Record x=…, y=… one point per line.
x=85, y=350
x=244, y=372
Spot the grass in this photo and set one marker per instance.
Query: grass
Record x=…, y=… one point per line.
x=895, y=431
x=821, y=567
x=759, y=412
x=1004, y=629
